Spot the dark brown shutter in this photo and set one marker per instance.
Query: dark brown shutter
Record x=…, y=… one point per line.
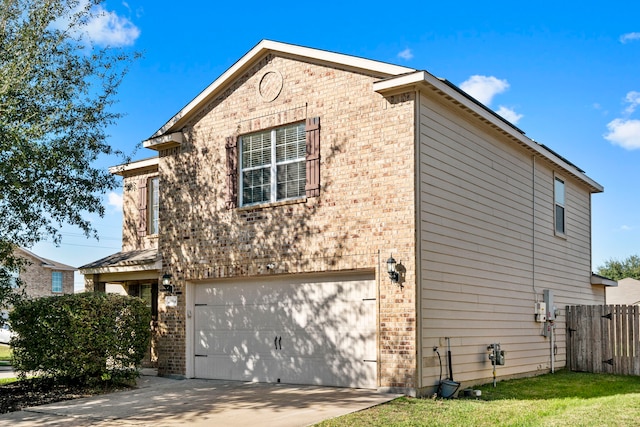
x=232, y=172
x=313, y=157
x=142, y=207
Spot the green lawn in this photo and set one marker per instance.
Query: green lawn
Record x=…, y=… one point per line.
x=560, y=399
x=5, y=354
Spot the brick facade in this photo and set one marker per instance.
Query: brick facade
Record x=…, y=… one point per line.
x=365, y=210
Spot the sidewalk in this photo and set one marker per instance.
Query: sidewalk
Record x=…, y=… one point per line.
x=161, y=402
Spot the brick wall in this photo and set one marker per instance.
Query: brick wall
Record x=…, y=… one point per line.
x=131, y=238
x=37, y=279
x=364, y=213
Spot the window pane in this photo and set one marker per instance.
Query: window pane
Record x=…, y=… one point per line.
x=290, y=143
x=154, y=204
x=291, y=180
x=559, y=219
x=559, y=191
x=256, y=186
x=256, y=149
x=56, y=281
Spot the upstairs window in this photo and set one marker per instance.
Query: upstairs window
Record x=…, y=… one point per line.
x=559, y=214
x=56, y=281
x=274, y=165
x=148, y=206
x=154, y=206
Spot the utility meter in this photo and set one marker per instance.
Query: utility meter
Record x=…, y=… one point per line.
x=541, y=312
x=496, y=355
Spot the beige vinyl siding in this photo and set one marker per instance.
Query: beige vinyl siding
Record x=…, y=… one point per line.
x=477, y=255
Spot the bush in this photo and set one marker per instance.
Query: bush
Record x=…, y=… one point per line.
x=93, y=338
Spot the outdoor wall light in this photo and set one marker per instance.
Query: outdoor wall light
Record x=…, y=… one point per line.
x=391, y=269
x=166, y=283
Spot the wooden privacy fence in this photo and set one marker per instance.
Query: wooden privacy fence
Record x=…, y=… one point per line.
x=604, y=339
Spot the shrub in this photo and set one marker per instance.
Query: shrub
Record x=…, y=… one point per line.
x=91, y=337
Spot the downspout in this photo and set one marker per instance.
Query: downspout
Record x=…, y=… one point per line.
x=533, y=227
x=418, y=240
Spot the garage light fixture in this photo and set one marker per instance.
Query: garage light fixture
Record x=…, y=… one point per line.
x=167, y=286
x=391, y=269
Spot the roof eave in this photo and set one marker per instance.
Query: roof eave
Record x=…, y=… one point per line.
x=137, y=166
x=600, y=280
x=164, y=142
x=424, y=79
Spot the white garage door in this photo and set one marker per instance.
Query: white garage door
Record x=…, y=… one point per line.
x=299, y=330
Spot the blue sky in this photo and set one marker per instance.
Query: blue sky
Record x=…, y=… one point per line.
x=566, y=74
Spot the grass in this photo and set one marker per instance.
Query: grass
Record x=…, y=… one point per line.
x=5, y=354
x=560, y=399
x=4, y=381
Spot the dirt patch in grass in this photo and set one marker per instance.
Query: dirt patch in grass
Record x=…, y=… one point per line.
x=18, y=395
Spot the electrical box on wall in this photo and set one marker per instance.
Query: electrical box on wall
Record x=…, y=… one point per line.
x=541, y=312
x=547, y=295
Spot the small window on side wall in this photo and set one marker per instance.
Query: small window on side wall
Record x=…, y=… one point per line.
x=560, y=208
x=56, y=281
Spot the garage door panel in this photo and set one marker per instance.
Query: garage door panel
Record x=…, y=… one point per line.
x=213, y=342
x=293, y=330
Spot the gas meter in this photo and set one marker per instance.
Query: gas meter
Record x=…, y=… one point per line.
x=496, y=355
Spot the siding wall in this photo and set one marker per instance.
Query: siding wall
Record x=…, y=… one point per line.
x=487, y=248
x=365, y=210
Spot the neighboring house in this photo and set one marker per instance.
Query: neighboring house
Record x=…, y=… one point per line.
x=626, y=293
x=286, y=185
x=43, y=277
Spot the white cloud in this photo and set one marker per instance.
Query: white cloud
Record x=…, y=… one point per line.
x=406, y=54
x=484, y=88
x=103, y=27
x=115, y=200
x=509, y=114
x=633, y=98
x=108, y=29
x=629, y=37
x=625, y=133
x=626, y=228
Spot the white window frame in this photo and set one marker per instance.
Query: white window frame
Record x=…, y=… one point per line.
x=559, y=201
x=272, y=165
x=57, y=276
x=153, y=204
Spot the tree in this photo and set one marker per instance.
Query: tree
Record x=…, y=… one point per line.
x=617, y=270
x=56, y=91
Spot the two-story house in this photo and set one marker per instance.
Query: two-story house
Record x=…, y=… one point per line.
x=329, y=219
x=43, y=277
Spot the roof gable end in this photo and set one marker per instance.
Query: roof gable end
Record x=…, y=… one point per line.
x=159, y=139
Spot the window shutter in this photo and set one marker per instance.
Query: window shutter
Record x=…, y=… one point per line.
x=313, y=157
x=142, y=207
x=232, y=172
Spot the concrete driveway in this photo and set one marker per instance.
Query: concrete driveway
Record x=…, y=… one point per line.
x=160, y=402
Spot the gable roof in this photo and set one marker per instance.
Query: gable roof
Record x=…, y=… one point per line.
x=47, y=263
x=392, y=78
x=169, y=129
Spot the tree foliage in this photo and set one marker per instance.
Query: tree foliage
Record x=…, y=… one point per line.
x=89, y=337
x=56, y=94
x=617, y=270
